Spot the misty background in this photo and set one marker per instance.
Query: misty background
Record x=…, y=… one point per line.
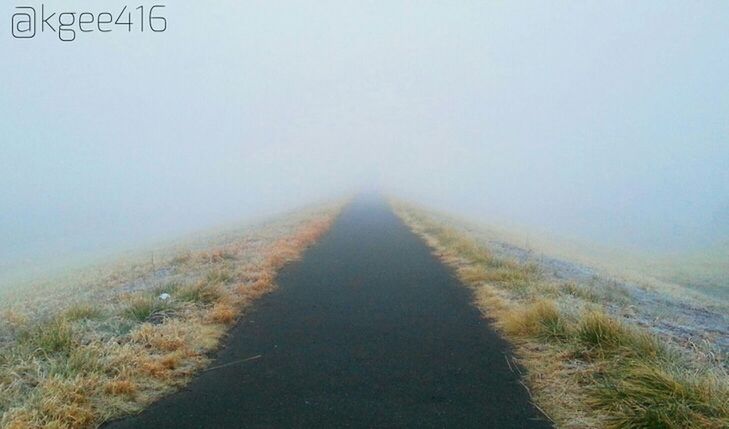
x=603, y=122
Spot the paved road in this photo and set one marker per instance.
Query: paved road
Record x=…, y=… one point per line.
x=368, y=330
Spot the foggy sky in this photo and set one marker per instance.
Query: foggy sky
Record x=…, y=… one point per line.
x=608, y=122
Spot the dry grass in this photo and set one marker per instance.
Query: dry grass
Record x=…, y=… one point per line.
x=203, y=292
x=77, y=365
x=60, y=403
x=647, y=395
x=82, y=311
x=120, y=387
x=599, y=333
x=142, y=308
x=585, y=367
x=223, y=313
x=540, y=319
x=50, y=337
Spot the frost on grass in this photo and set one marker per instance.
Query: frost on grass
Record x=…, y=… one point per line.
x=105, y=343
x=600, y=350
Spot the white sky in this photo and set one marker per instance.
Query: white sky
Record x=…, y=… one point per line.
x=602, y=120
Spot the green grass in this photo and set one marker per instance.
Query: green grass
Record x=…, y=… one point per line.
x=645, y=395
x=51, y=337
x=141, y=308
x=600, y=333
x=81, y=360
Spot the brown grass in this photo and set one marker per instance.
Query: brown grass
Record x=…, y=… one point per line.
x=58, y=403
x=223, y=313
x=77, y=365
x=202, y=292
x=585, y=367
x=167, y=337
x=122, y=387
x=171, y=361
x=539, y=319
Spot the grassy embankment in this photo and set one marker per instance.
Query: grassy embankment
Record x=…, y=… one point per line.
x=76, y=356
x=707, y=272
x=584, y=367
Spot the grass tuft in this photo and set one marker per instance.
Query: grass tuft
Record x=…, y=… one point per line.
x=223, y=313
x=121, y=387
x=456, y=242
x=577, y=291
x=142, y=308
x=220, y=276
x=598, y=332
x=80, y=360
x=169, y=288
x=82, y=311
x=52, y=337
x=540, y=319
x=167, y=337
x=200, y=293
x=57, y=403
x=644, y=395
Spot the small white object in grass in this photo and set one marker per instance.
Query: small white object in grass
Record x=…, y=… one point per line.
x=165, y=296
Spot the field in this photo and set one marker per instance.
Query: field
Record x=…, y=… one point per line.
x=707, y=272
x=599, y=347
x=107, y=341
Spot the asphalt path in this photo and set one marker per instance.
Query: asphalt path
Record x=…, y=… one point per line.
x=367, y=330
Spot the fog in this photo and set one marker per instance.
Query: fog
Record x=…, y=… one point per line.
x=605, y=122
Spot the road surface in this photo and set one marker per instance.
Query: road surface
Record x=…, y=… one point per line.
x=368, y=330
